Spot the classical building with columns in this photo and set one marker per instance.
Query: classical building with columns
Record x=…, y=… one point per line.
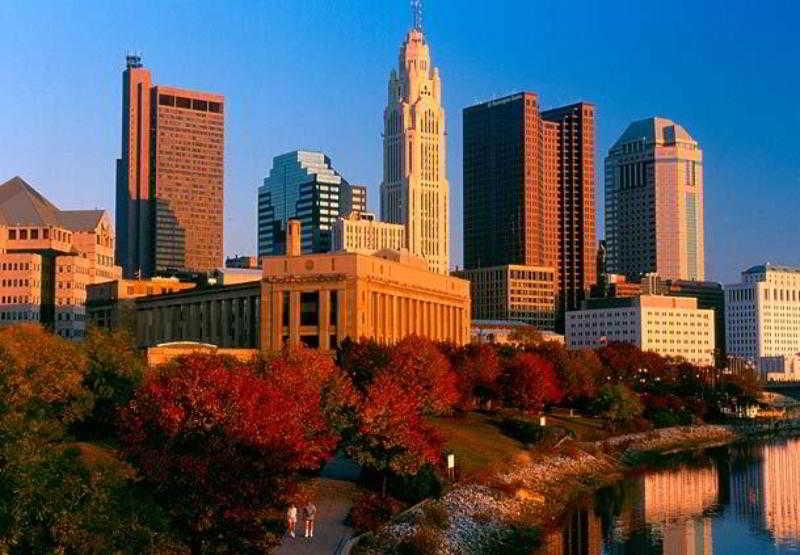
x=315, y=299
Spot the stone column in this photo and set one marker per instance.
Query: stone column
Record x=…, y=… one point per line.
x=294, y=318
x=341, y=316
x=323, y=324
x=276, y=321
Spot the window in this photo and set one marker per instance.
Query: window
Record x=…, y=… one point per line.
x=12, y=233
x=215, y=107
x=309, y=308
x=166, y=100
x=182, y=102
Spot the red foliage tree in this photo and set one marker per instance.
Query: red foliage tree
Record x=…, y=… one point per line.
x=424, y=373
x=392, y=435
x=478, y=369
x=219, y=444
x=530, y=382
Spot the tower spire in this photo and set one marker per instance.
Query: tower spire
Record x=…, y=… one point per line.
x=416, y=14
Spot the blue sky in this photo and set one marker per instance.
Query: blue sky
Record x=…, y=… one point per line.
x=312, y=74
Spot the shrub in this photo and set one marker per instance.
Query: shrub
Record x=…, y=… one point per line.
x=435, y=515
x=413, y=488
x=522, y=429
x=371, y=511
x=516, y=540
x=425, y=541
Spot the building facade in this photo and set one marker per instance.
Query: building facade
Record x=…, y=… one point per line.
x=48, y=258
x=354, y=199
x=534, y=171
x=316, y=299
x=654, y=202
x=360, y=232
x=762, y=315
x=513, y=292
x=669, y=326
x=170, y=178
x=415, y=191
x=109, y=304
x=243, y=262
x=302, y=185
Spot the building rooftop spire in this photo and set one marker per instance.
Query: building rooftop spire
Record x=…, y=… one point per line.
x=416, y=14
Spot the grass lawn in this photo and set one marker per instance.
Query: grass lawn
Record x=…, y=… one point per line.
x=477, y=442
x=584, y=428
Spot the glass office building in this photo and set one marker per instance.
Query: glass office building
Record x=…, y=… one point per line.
x=301, y=185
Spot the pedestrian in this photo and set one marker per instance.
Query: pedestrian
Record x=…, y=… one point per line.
x=291, y=518
x=309, y=513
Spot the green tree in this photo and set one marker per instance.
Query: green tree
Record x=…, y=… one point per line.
x=618, y=404
x=114, y=371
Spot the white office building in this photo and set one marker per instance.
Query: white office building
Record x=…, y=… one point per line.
x=669, y=326
x=762, y=319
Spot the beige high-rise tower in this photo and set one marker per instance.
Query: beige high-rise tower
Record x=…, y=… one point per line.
x=654, y=202
x=415, y=191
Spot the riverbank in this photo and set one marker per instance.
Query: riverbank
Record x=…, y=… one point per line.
x=507, y=511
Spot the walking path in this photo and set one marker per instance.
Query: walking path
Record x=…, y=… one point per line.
x=335, y=493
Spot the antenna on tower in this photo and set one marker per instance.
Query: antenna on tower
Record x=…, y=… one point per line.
x=416, y=14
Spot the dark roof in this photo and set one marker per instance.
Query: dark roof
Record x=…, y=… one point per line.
x=761, y=268
x=21, y=204
x=81, y=220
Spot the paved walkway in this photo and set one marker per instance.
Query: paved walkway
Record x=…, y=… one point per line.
x=335, y=493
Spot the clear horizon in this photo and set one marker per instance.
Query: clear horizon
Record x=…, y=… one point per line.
x=314, y=75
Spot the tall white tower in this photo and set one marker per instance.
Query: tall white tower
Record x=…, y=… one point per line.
x=415, y=191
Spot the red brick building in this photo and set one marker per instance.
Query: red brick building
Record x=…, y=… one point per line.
x=170, y=177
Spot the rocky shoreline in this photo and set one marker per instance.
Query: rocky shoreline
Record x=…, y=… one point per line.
x=515, y=505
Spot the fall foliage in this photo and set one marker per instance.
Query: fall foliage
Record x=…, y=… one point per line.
x=530, y=382
x=219, y=444
x=424, y=373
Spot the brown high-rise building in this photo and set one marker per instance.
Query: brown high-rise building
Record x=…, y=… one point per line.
x=170, y=177
x=529, y=191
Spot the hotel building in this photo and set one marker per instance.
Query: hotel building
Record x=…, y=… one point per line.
x=669, y=326
x=654, y=202
x=316, y=299
x=48, y=258
x=534, y=171
x=513, y=292
x=762, y=317
x=415, y=191
x=170, y=177
x=360, y=232
x=303, y=185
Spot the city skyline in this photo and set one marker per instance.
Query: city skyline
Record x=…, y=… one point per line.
x=760, y=166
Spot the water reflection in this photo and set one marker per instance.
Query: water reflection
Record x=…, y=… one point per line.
x=743, y=499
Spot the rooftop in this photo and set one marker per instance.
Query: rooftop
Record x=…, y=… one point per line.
x=21, y=204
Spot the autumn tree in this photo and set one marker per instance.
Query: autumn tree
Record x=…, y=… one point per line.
x=53, y=499
x=362, y=360
x=392, y=436
x=425, y=374
x=579, y=372
x=219, y=444
x=530, y=382
x=478, y=369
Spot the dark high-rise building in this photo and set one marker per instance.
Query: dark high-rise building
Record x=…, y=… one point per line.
x=529, y=191
x=169, y=178
x=569, y=155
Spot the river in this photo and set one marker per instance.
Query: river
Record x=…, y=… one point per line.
x=741, y=499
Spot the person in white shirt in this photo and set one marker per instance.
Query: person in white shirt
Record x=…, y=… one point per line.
x=291, y=518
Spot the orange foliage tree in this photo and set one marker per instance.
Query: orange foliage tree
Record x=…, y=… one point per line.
x=219, y=442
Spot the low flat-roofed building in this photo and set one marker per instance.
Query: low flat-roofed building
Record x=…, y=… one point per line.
x=317, y=300
x=513, y=292
x=669, y=326
x=110, y=304
x=361, y=232
x=241, y=262
x=508, y=332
